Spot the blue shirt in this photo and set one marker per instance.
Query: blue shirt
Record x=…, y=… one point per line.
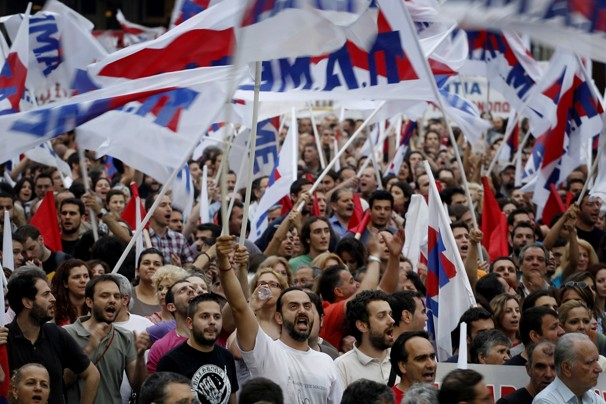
x=558, y=393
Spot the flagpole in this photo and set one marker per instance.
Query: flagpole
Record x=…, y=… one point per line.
x=600, y=151
x=93, y=220
x=351, y=139
x=434, y=88
x=508, y=132
x=373, y=157
x=239, y=176
x=316, y=137
x=251, y=155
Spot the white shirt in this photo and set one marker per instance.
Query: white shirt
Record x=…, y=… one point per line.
x=355, y=365
x=558, y=393
x=305, y=376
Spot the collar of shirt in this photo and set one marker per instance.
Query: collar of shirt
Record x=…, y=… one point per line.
x=365, y=359
x=568, y=395
x=169, y=233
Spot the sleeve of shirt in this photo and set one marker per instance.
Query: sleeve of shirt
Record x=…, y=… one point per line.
x=254, y=358
x=188, y=252
x=75, y=358
x=152, y=359
x=131, y=354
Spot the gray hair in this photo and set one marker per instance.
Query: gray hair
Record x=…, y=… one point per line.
x=421, y=393
x=534, y=245
x=485, y=341
x=126, y=288
x=564, y=350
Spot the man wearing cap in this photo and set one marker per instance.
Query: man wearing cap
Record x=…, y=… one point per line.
x=507, y=177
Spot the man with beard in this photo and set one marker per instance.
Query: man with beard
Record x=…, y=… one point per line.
x=112, y=349
x=587, y=219
x=210, y=367
x=70, y=218
x=540, y=369
x=304, y=374
x=370, y=322
x=31, y=338
x=413, y=359
x=177, y=301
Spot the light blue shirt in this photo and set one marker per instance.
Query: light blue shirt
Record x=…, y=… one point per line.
x=558, y=393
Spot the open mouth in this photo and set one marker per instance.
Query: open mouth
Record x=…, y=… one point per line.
x=429, y=377
x=389, y=333
x=36, y=398
x=111, y=310
x=302, y=322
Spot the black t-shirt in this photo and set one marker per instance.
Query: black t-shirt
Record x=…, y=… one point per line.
x=212, y=374
x=516, y=361
x=520, y=396
x=54, y=260
x=69, y=246
x=593, y=237
x=55, y=349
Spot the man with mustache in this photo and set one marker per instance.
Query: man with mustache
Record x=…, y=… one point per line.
x=413, y=359
x=211, y=368
x=540, y=368
x=112, y=349
x=370, y=321
x=305, y=375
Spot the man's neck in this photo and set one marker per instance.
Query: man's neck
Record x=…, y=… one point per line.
x=313, y=253
x=30, y=330
x=158, y=229
x=69, y=236
x=123, y=316
x=202, y=348
x=343, y=220
x=581, y=225
x=46, y=253
x=369, y=350
x=292, y=343
x=181, y=326
x=92, y=323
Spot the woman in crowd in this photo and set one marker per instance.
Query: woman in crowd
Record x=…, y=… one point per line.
x=29, y=384
x=102, y=187
x=506, y=315
x=68, y=286
x=145, y=298
x=98, y=267
x=352, y=252
x=401, y=192
x=280, y=266
x=599, y=272
x=326, y=260
x=574, y=316
x=24, y=190
x=115, y=201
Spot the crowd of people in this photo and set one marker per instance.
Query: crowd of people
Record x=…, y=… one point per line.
x=309, y=312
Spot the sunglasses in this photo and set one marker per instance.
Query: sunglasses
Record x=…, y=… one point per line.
x=573, y=284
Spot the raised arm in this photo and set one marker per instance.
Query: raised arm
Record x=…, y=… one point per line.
x=246, y=322
x=389, y=280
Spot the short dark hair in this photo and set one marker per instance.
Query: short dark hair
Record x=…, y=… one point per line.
x=503, y=258
x=298, y=185
x=511, y=216
x=367, y=391
x=261, y=389
x=73, y=201
x=469, y=316
x=23, y=285
x=204, y=297
x=400, y=301
x=380, y=195
x=522, y=225
x=89, y=291
x=532, y=320
x=215, y=229
x=459, y=385
x=114, y=192
x=357, y=309
x=28, y=231
x=43, y=175
x=328, y=281
x=354, y=247
x=532, y=298
x=485, y=341
x=398, y=350
x=489, y=286
x=153, y=388
x=149, y=251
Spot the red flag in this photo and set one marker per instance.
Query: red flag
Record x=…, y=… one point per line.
x=45, y=220
x=316, y=207
x=497, y=244
x=362, y=226
x=356, y=216
x=491, y=223
x=130, y=211
x=286, y=203
x=553, y=207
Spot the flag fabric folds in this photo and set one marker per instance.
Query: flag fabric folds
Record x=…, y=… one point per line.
x=280, y=180
x=14, y=71
x=449, y=293
x=46, y=221
x=495, y=234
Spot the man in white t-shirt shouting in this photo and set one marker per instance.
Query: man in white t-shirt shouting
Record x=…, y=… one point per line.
x=304, y=374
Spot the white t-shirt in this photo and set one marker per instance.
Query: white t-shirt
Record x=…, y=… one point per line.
x=305, y=377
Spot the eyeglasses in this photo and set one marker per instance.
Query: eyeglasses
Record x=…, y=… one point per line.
x=270, y=284
x=572, y=284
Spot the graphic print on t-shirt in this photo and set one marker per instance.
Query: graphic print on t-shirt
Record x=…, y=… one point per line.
x=211, y=385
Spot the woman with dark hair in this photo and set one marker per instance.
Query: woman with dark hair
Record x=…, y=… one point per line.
x=24, y=191
x=68, y=286
x=98, y=267
x=352, y=252
x=145, y=297
x=401, y=192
